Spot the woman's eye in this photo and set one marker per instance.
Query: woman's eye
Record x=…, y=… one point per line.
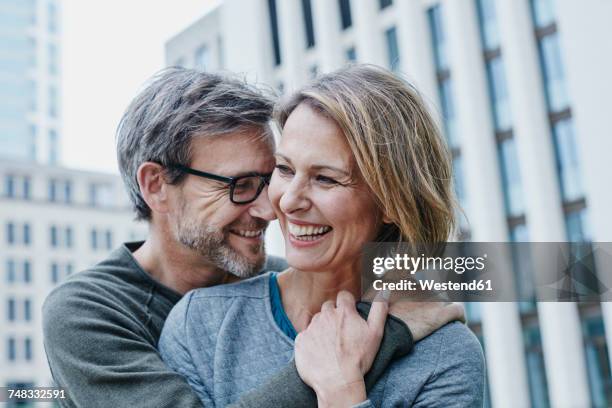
x=326, y=180
x=284, y=170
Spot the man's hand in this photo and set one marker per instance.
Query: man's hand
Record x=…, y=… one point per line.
x=338, y=347
x=424, y=318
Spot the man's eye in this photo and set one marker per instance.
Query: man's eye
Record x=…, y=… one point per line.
x=245, y=184
x=284, y=170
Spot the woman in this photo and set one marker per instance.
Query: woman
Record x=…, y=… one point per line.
x=360, y=160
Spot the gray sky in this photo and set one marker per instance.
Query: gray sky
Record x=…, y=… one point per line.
x=110, y=48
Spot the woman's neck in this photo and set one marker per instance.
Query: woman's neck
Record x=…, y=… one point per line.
x=303, y=293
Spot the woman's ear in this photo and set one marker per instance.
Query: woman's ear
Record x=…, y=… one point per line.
x=152, y=186
x=386, y=219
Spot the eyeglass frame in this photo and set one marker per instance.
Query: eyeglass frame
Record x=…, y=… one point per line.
x=264, y=180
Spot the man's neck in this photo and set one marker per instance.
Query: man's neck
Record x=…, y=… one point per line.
x=175, y=266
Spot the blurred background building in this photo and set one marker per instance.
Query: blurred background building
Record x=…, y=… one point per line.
x=30, y=76
x=53, y=220
x=521, y=88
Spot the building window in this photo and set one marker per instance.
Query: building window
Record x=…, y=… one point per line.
x=10, y=347
x=68, y=237
x=543, y=13
x=392, y=49
x=53, y=237
x=346, y=20
x=498, y=91
x=437, y=35
x=448, y=111
x=52, y=17
x=202, y=58
x=536, y=370
x=568, y=164
x=488, y=24
x=109, y=239
x=53, y=103
x=9, y=186
x=351, y=55
x=11, y=310
x=27, y=193
x=94, y=239
x=460, y=191
x=27, y=240
x=523, y=273
x=17, y=186
x=10, y=233
x=53, y=147
x=10, y=271
x=554, y=76
x=54, y=272
x=577, y=226
x=100, y=195
x=308, y=24
x=27, y=310
x=27, y=271
x=60, y=191
x=274, y=31
x=27, y=343
x=511, y=178
x=384, y=3
x=52, y=59
x=597, y=357
x=59, y=271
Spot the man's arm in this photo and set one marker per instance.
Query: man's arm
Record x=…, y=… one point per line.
x=102, y=356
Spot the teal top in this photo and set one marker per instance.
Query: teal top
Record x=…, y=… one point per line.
x=280, y=317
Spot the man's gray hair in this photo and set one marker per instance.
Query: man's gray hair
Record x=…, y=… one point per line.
x=177, y=104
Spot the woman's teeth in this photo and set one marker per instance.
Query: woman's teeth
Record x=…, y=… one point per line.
x=307, y=232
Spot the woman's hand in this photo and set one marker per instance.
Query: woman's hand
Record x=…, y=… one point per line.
x=338, y=347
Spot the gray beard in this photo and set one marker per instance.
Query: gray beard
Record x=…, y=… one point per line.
x=212, y=244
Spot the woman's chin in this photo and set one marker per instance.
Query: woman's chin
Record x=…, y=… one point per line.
x=305, y=263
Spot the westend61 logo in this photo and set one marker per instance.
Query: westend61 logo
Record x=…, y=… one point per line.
x=490, y=271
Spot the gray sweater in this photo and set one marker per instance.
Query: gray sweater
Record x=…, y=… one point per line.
x=225, y=342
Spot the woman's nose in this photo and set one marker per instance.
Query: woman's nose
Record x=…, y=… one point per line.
x=295, y=197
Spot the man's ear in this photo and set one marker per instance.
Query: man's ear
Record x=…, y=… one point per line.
x=153, y=186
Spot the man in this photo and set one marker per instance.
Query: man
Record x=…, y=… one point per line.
x=195, y=153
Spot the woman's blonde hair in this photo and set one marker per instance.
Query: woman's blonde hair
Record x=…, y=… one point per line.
x=397, y=146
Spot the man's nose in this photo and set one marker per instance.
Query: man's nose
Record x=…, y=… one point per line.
x=261, y=207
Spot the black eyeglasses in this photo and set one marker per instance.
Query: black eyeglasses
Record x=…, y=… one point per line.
x=243, y=189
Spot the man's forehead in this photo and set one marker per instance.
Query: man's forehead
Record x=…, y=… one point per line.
x=242, y=151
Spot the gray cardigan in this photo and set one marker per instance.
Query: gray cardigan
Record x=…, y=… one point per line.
x=225, y=342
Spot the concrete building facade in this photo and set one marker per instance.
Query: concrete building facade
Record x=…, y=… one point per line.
x=520, y=88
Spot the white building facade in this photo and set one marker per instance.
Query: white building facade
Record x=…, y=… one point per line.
x=30, y=80
x=53, y=222
x=521, y=88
